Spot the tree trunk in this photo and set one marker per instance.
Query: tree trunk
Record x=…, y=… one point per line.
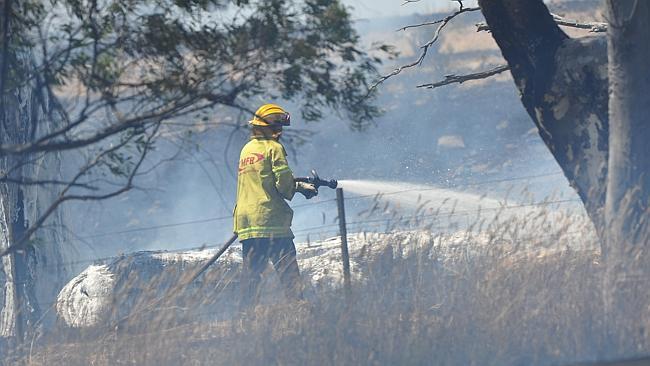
x=20, y=306
x=563, y=86
x=29, y=279
x=628, y=184
x=592, y=112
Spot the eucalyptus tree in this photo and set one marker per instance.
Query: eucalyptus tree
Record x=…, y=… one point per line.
x=589, y=99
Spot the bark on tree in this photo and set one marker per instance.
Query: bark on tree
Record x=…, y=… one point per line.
x=628, y=185
x=22, y=298
x=29, y=278
x=563, y=86
x=590, y=100
x=20, y=307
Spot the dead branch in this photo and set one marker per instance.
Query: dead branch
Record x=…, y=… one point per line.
x=594, y=27
x=425, y=48
x=424, y=24
x=460, y=9
x=453, y=78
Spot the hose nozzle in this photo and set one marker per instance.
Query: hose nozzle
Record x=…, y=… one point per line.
x=317, y=181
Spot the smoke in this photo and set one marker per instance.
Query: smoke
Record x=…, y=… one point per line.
x=187, y=200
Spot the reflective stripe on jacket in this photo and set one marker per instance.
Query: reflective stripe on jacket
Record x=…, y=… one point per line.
x=264, y=183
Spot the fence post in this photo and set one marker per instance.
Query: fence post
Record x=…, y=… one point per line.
x=343, y=231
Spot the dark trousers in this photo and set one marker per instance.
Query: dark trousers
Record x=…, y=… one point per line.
x=256, y=255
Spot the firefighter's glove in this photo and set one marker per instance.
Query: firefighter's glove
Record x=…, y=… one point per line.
x=306, y=189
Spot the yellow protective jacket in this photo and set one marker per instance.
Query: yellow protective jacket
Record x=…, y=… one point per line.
x=264, y=183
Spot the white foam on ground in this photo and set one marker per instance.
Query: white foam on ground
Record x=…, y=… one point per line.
x=87, y=300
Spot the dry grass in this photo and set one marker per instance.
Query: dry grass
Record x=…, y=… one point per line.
x=498, y=308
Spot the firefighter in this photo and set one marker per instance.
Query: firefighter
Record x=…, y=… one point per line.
x=262, y=217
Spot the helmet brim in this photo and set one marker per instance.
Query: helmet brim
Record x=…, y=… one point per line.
x=259, y=121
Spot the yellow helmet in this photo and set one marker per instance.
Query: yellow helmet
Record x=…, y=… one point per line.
x=271, y=114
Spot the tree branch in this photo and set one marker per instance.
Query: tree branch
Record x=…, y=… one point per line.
x=63, y=197
x=184, y=105
x=594, y=27
x=452, y=78
x=425, y=48
x=38, y=182
x=122, y=125
x=435, y=21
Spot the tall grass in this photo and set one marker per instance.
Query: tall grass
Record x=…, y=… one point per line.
x=526, y=295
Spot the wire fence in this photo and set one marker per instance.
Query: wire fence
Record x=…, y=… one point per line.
x=328, y=230
x=312, y=204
